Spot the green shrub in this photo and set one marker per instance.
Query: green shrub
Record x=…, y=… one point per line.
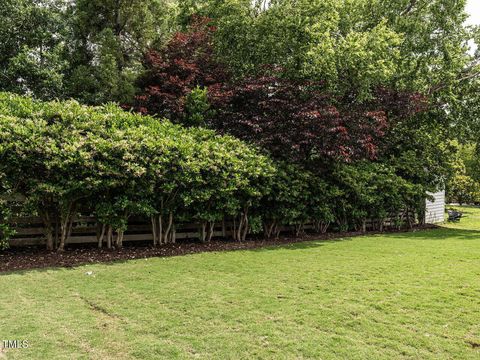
x=197, y=108
x=67, y=159
x=463, y=189
x=368, y=190
x=63, y=155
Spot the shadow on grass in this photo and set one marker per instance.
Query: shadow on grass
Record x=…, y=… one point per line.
x=302, y=245
x=440, y=233
x=436, y=234
x=297, y=245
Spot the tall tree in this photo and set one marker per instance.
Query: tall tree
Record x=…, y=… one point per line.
x=187, y=62
x=301, y=121
x=109, y=40
x=32, y=42
x=357, y=44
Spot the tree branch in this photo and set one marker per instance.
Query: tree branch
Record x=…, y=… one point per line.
x=471, y=72
x=409, y=8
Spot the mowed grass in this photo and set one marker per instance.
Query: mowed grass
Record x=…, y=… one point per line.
x=470, y=219
x=410, y=295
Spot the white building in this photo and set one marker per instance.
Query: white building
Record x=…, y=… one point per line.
x=435, y=210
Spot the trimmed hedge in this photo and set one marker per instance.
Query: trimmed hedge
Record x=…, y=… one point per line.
x=65, y=159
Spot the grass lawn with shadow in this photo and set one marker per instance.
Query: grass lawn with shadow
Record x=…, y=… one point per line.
x=395, y=296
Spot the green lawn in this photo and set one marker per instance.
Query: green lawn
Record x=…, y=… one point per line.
x=411, y=295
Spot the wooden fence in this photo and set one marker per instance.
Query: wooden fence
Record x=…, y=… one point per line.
x=30, y=230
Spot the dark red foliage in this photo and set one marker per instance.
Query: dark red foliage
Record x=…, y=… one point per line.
x=294, y=120
x=297, y=120
x=171, y=73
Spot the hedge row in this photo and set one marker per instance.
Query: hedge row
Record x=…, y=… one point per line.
x=66, y=159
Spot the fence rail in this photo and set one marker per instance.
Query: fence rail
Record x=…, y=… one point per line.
x=29, y=230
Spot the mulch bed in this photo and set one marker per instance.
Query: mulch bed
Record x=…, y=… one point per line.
x=26, y=258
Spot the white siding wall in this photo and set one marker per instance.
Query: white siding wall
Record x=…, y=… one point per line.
x=435, y=210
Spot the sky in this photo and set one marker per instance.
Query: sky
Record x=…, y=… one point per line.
x=473, y=8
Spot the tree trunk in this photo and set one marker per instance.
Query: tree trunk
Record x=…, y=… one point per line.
x=174, y=233
x=277, y=230
x=109, y=236
x=70, y=227
x=154, y=230
x=401, y=219
x=119, y=242
x=48, y=229
x=268, y=229
x=244, y=233
x=299, y=231
x=246, y=228
x=409, y=219
x=168, y=229
x=324, y=227
x=160, y=229
x=101, y=236
x=234, y=232
x=66, y=226
x=57, y=232
x=63, y=234
x=239, y=230
x=203, y=232
x=49, y=237
x=210, y=231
